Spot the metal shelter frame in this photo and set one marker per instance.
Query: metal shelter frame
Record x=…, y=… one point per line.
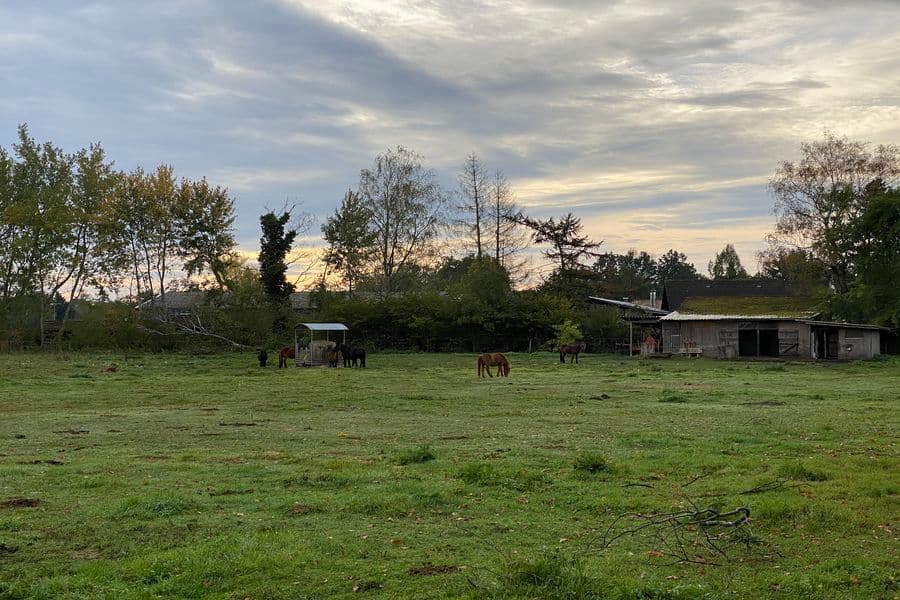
x=313, y=353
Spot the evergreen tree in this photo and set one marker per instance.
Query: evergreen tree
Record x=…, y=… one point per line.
x=275, y=244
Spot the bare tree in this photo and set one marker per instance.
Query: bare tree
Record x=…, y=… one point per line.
x=407, y=209
x=509, y=237
x=473, y=192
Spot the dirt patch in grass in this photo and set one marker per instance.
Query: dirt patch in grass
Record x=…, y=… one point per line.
x=454, y=437
x=237, y=424
x=430, y=569
x=367, y=586
x=764, y=403
x=73, y=431
x=19, y=502
x=600, y=397
x=41, y=462
x=5, y=549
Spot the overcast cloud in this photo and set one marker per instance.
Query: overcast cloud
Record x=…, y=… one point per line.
x=657, y=122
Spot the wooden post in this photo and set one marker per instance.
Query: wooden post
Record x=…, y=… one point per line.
x=630, y=338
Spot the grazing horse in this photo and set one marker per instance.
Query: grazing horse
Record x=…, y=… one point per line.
x=352, y=355
x=486, y=361
x=573, y=349
x=284, y=354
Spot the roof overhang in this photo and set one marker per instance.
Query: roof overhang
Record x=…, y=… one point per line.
x=628, y=305
x=324, y=326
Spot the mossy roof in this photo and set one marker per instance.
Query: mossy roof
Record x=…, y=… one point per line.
x=781, y=306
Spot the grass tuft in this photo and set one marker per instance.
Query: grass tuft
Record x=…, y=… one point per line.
x=421, y=454
x=670, y=396
x=591, y=463
x=801, y=472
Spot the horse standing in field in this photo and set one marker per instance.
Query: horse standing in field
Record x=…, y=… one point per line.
x=486, y=361
x=284, y=354
x=353, y=355
x=332, y=356
x=573, y=349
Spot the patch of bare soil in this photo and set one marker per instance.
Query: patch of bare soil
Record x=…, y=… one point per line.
x=5, y=549
x=431, y=569
x=454, y=437
x=764, y=403
x=19, y=502
x=73, y=431
x=41, y=462
x=303, y=509
x=237, y=424
x=600, y=397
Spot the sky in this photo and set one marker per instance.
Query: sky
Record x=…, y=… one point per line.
x=658, y=123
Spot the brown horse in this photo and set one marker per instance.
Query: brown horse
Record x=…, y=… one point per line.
x=573, y=349
x=486, y=361
x=284, y=354
x=332, y=356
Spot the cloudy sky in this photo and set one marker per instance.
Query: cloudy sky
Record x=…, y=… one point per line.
x=656, y=121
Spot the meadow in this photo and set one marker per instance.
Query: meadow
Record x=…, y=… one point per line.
x=178, y=476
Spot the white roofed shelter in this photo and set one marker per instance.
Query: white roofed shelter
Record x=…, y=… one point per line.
x=313, y=340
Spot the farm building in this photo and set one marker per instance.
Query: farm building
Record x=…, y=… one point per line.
x=747, y=318
x=753, y=336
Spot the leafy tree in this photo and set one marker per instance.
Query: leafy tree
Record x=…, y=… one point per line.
x=275, y=244
x=727, y=265
x=674, y=265
x=873, y=295
x=406, y=205
x=632, y=274
x=818, y=199
x=791, y=264
x=205, y=215
x=567, y=244
x=351, y=241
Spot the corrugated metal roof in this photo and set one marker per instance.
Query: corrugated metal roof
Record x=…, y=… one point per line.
x=677, y=316
x=628, y=305
x=325, y=326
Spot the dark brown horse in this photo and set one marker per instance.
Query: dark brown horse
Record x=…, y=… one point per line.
x=486, y=361
x=284, y=354
x=573, y=349
x=353, y=356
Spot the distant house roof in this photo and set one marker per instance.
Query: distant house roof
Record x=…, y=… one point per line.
x=737, y=296
x=174, y=301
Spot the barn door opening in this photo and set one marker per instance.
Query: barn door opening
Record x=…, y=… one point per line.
x=826, y=344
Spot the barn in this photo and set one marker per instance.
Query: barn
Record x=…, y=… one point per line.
x=749, y=318
x=767, y=336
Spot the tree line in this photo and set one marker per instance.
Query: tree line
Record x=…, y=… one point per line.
x=406, y=263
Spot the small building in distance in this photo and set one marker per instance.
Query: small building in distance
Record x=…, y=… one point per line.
x=767, y=336
x=750, y=318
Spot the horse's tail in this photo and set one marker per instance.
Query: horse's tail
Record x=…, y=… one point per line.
x=562, y=355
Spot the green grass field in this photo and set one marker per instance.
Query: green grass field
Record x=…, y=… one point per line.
x=207, y=477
